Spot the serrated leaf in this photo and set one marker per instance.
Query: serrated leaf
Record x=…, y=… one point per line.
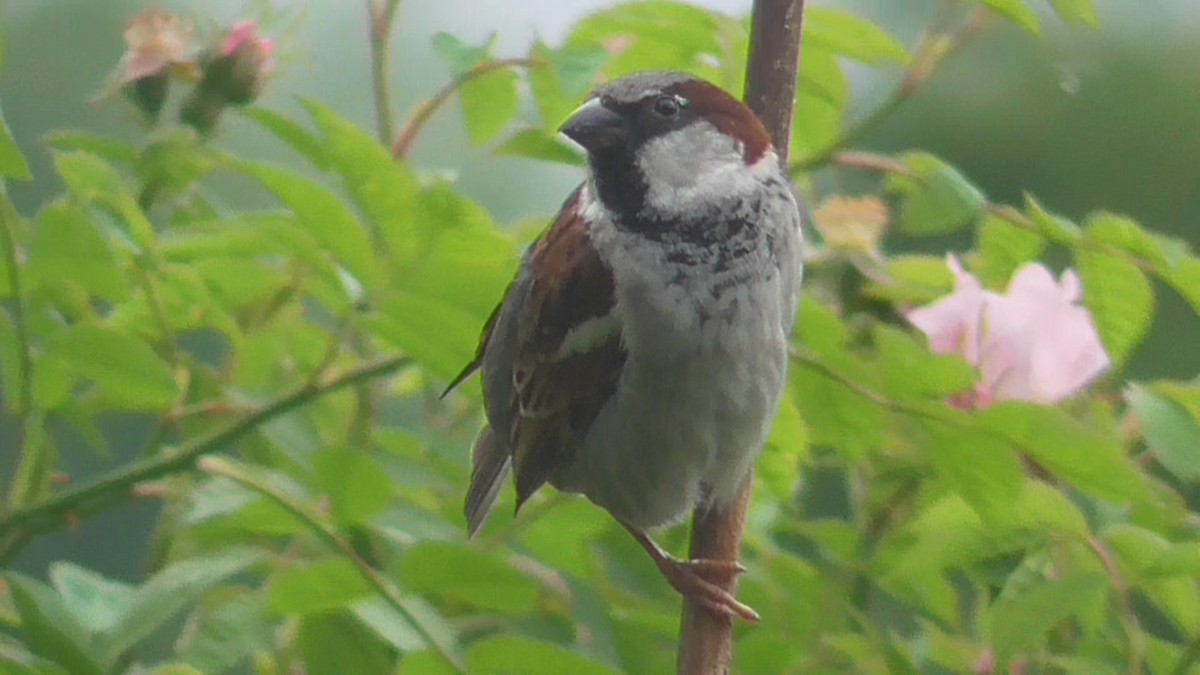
x=786, y=448
x=96, y=603
x=124, y=366
x=982, y=469
x=11, y=362
x=514, y=654
x=228, y=634
x=655, y=35
x=171, y=590
x=385, y=190
x=355, y=483
x=48, y=627
x=325, y=217
x=1078, y=11
x=937, y=199
x=458, y=55
x=559, y=86
x=1085, y=458
x=1018, y=12
x=303, y=141
x=849, y=35
x=908, y=370
x=68, y=247
x=12, y=162
x=1171, y=432
x=1118, y=296
x=489, y=103
x=467, y=575
x=336, y=644
x=1184, y=277
x=1057, y=229
x=835, y=415
x=91, y=179
x=1021, y=620
x=322, y=586
x=1004, y=247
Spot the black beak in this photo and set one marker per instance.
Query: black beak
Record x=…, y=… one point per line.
x=595, y=127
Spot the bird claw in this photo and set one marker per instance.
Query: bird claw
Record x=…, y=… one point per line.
x=688, y=578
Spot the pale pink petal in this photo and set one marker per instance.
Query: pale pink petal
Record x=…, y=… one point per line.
x=952, y=323
x=242, y=33
x=1039, y=345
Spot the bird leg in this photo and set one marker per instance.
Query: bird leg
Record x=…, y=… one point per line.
x=693, y=579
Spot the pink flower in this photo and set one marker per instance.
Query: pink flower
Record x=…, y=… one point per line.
x=1034, y=343
x=245, y=35
x=156, y=40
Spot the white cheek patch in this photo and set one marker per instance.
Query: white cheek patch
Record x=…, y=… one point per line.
x=697, y=167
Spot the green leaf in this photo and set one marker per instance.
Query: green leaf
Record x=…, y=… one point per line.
x=105, y=147
x=559, y=88
x=1184, y=277
x=97, y=603
x=537, y=144
x=1079, y=11
x=336, y=644
x=1118, y=296
x=1125, y=234
x=171, y=590
x=1085, y=458
x=913, y=279
x=68, y=247
x=978, y=466
x=909, y=370
x=836, y=415
x=122, y=365
x=1018, y=12
x=458, y=55
x=514, y=654
x=388, y=624
x=355, y=483
x=467, y=575
x=325, y=585
x=849, y=35
x=937, y=199
x=1003, y=248
x=489, y=103
x=323, y=215
x=12, y=162
x=786, y=448
x=1171, y=432
x=657, y=35
x=91, y=179
x=48, y=627
x=1057, y=229
x=1021, y=620
x=228, y=634
x=821, y=99
x=303, y=141
x=10, y=362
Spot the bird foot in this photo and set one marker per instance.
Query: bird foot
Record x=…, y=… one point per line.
x=694, y=579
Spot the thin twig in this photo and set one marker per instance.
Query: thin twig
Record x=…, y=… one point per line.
x=219, y=466
x=705, y=639
x=421, y=116
x=1129, y=622
x=930, y=52
x=119, y=484
x=381, y=14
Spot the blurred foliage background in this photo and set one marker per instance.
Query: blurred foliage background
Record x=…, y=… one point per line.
x=1083, y=118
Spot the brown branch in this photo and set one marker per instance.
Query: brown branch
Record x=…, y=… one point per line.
x=380, y=14
x=706, y=640
x=419, y=118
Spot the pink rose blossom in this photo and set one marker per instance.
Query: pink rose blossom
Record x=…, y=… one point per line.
x=245, y=34
x=1034, y=343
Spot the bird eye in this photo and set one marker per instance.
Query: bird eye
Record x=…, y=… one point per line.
x=667, y=106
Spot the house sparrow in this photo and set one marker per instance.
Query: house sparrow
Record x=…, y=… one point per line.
x=639, y=354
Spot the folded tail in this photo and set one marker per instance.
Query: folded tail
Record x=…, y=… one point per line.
x=489, y=467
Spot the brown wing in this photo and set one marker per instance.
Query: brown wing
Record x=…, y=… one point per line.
x=551, y=356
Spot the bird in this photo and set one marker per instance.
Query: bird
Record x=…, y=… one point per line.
x=639, y=353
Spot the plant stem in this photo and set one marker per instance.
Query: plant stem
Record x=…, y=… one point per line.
x=220, y=466
x=1134, y=641
x=424, y=111
x=18, y=524
x=381, y=14
x=705, y=639
x=8, y=238
x=930, y=52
